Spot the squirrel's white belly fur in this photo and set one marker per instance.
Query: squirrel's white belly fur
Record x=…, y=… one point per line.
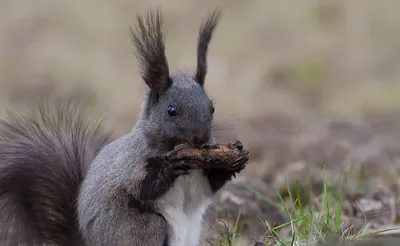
x=183, y=207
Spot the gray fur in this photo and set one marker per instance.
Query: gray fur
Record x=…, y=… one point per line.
x=63, y=182
x=103, y=212
x=44, y=155
x=120, y=169
x=193, y=105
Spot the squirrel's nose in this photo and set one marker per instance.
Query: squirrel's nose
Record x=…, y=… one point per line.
x=201, y=140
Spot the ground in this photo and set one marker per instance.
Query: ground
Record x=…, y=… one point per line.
x=303, y=84
x=365, y=156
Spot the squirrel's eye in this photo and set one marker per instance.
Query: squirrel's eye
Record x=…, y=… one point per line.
x=172, y=110
x=212, y=110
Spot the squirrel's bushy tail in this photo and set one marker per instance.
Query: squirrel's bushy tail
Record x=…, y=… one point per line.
x=44, y=154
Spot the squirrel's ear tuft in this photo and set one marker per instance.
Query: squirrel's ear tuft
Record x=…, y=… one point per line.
x=203, y=40
x=148, y=40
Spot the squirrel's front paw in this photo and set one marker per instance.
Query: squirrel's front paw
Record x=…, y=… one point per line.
x=181, y=168
x=239, y=165
x=235, y=145
x=241, y=162
x=183, y=152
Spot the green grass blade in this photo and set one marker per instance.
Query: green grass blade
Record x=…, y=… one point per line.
x=260, y=196
x=300, y=203
x=235, y=228
x=277, y=236
x=326, y=226
x=289, y=190
x=326, y=200
x=378, y=232
x=288, y=223
x=283, y=204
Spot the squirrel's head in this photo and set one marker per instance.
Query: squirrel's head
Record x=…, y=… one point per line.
x=177, y=108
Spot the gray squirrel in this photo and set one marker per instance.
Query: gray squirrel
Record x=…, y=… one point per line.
x=64, y=181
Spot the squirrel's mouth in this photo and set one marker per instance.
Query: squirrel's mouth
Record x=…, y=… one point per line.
x=171, y=143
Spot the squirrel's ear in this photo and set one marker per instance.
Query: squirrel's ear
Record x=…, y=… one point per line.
x=203, y=40
x=148, y=40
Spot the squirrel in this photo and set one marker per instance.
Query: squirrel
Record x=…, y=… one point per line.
x=64, y=181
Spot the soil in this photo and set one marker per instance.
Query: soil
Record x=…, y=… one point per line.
x=370, y=151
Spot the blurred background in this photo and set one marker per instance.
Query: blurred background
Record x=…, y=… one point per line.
x=303, y=84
